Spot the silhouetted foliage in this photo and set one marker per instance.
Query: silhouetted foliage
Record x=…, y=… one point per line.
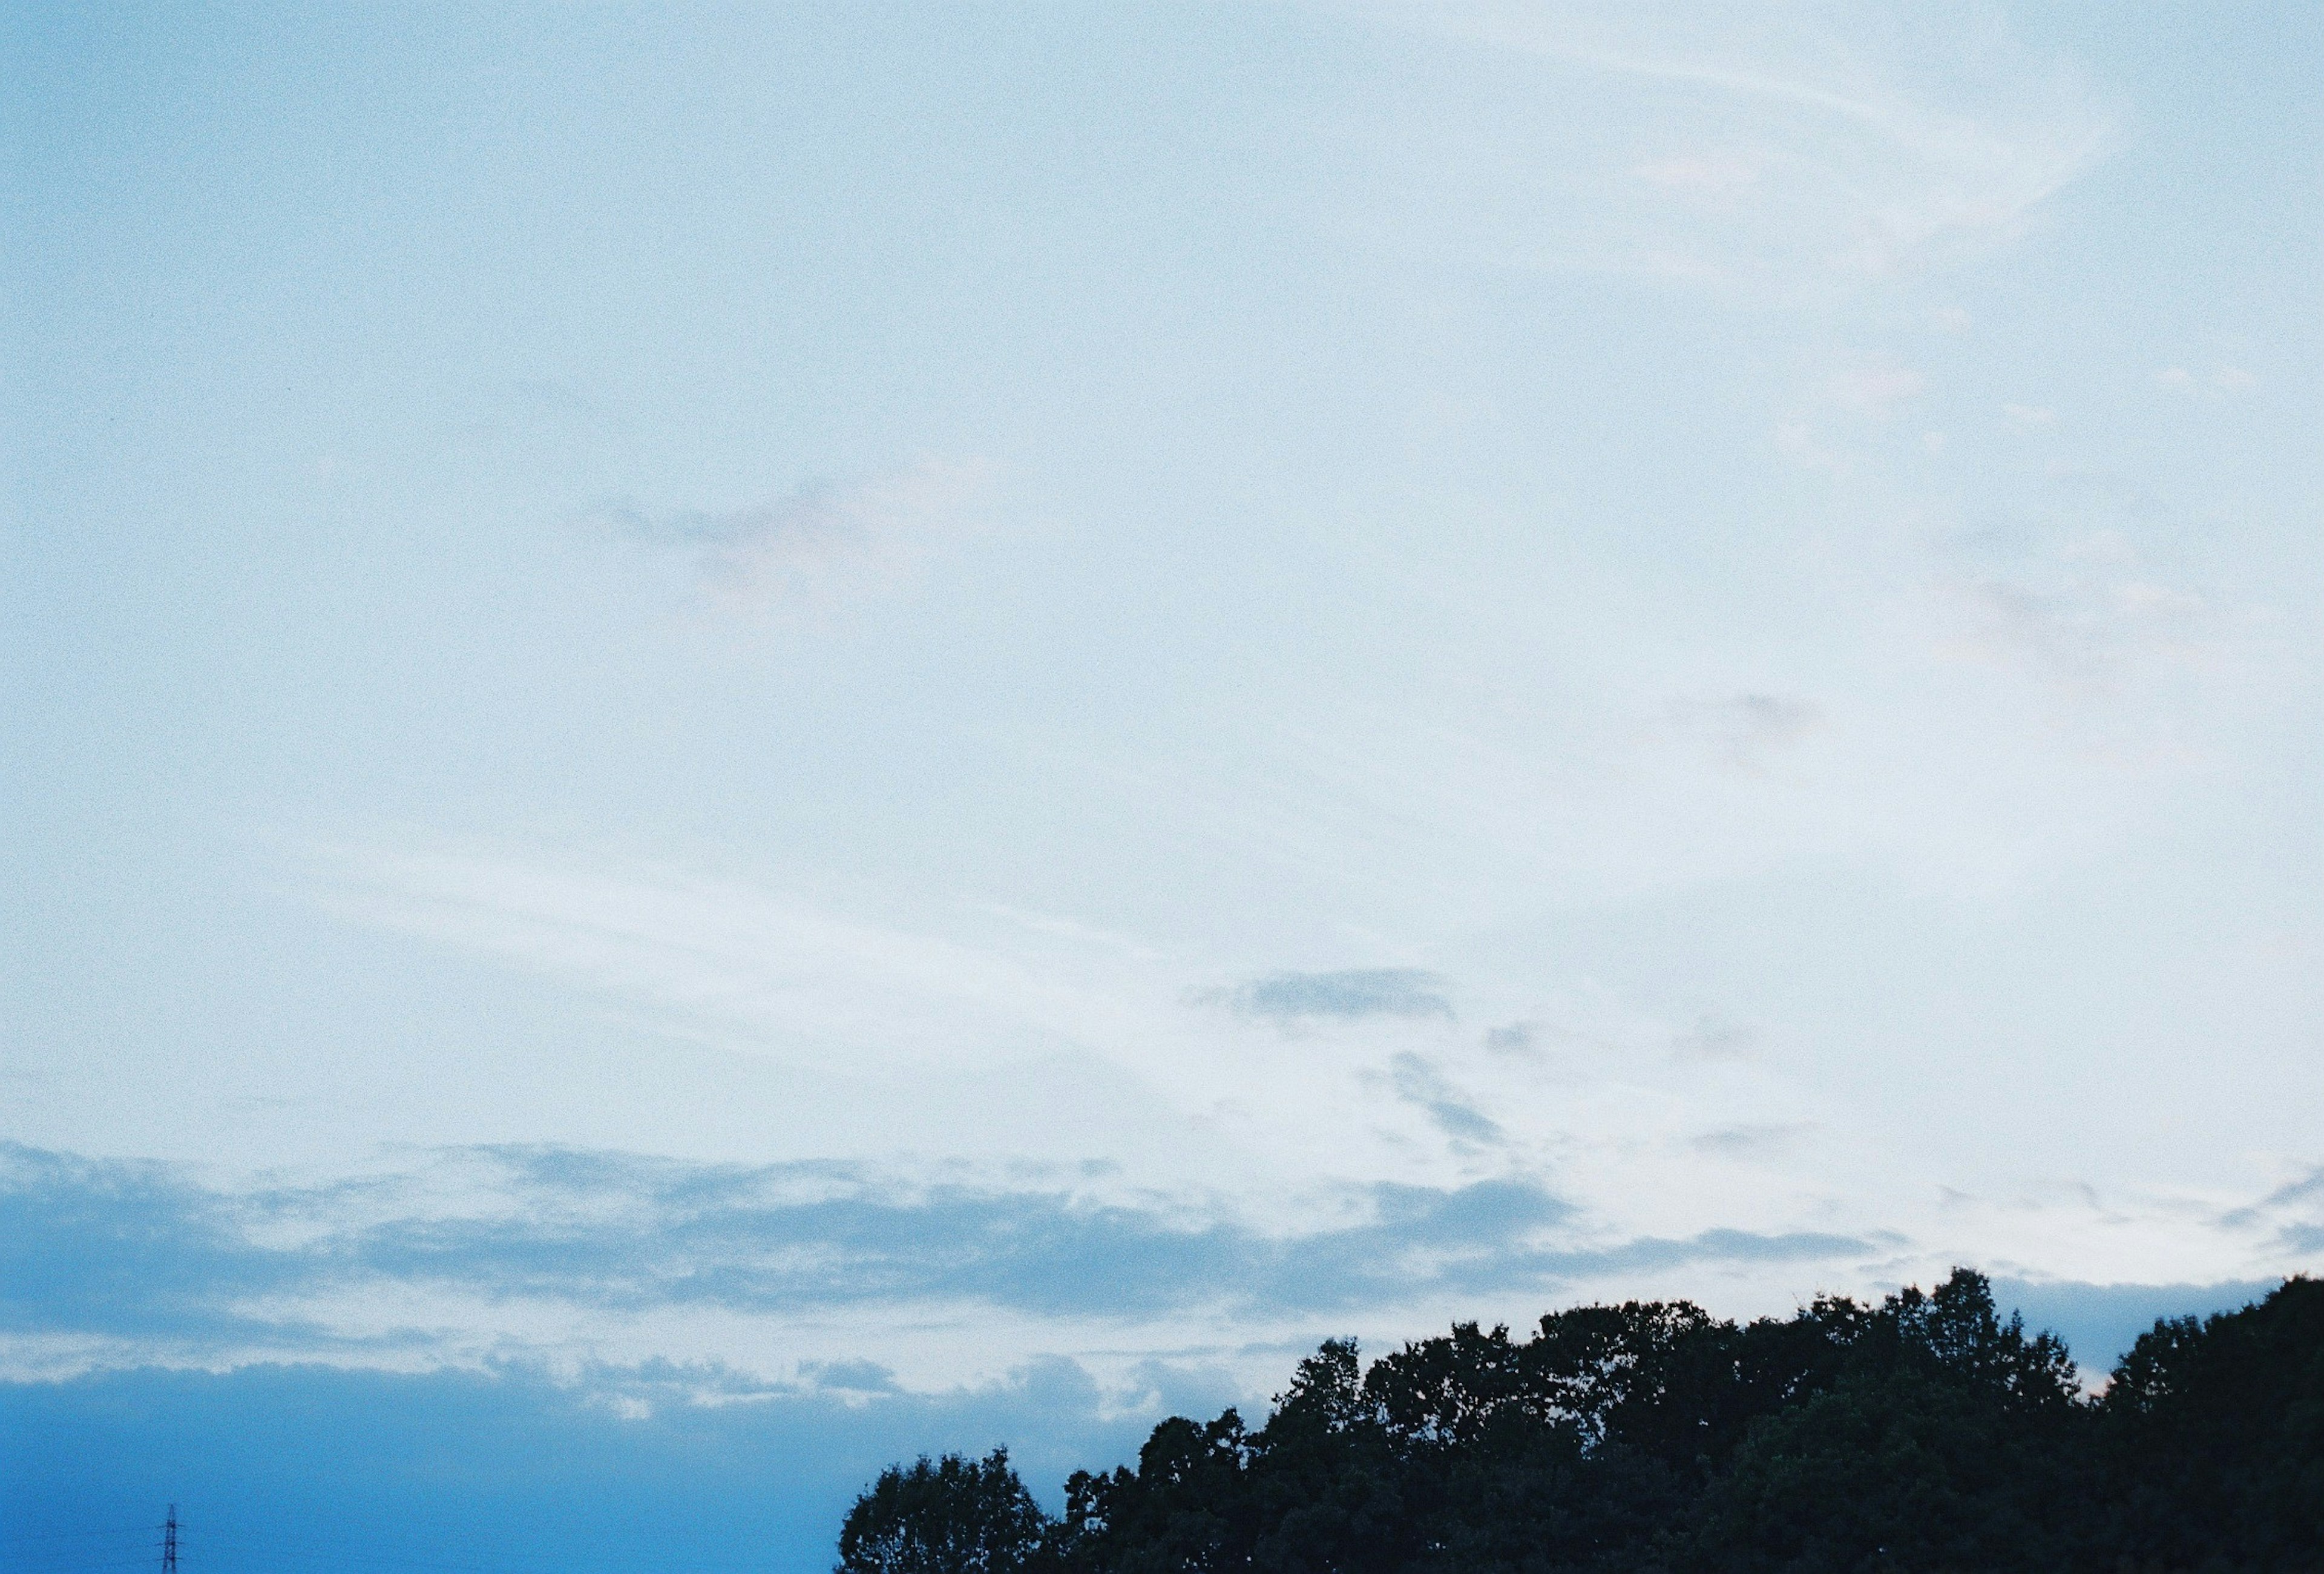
x=955, y=1516
x=1925, y=1432
x=2214, y=1434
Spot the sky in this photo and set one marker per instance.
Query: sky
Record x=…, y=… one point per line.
x=741, y=740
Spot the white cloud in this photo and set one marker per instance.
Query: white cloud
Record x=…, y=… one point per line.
x=906, y=1017
x=1783, y=148
x=742, y=965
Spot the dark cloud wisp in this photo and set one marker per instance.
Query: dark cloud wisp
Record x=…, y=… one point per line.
x=1356, y=992
x=130, y=1252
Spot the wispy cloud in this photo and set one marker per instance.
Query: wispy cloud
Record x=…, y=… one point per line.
x=1786, y=148
x=614, y=1233
x=1513, y=1038
x=816, y=539
x=1419, y=1082
x=2293, y=1213
x=737, y=963
x=2083, y=631
x=1357, y=992
x=134, y=1250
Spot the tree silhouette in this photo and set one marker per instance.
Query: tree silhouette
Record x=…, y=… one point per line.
x=1924, y=1432
x=2213, y=1432
x=955, y=1516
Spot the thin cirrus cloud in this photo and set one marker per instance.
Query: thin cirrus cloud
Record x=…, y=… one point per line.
x=719, y=960
x=1785, y=151
x=817, y=539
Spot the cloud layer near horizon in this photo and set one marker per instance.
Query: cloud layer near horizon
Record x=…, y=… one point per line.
x=105, y=1259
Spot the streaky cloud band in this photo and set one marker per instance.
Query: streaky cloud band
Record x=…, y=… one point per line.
x=140, y=1254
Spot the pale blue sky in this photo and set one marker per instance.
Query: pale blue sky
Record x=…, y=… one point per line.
x=865, y=704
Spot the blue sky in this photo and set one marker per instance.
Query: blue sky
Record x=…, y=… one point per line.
x=758, y=737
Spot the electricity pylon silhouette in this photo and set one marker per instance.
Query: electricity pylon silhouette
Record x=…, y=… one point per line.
x=170, y=1542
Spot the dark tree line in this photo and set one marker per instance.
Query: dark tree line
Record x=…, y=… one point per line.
x=1922, y=1433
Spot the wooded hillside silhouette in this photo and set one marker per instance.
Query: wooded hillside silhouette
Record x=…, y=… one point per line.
x=1924, y=1432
